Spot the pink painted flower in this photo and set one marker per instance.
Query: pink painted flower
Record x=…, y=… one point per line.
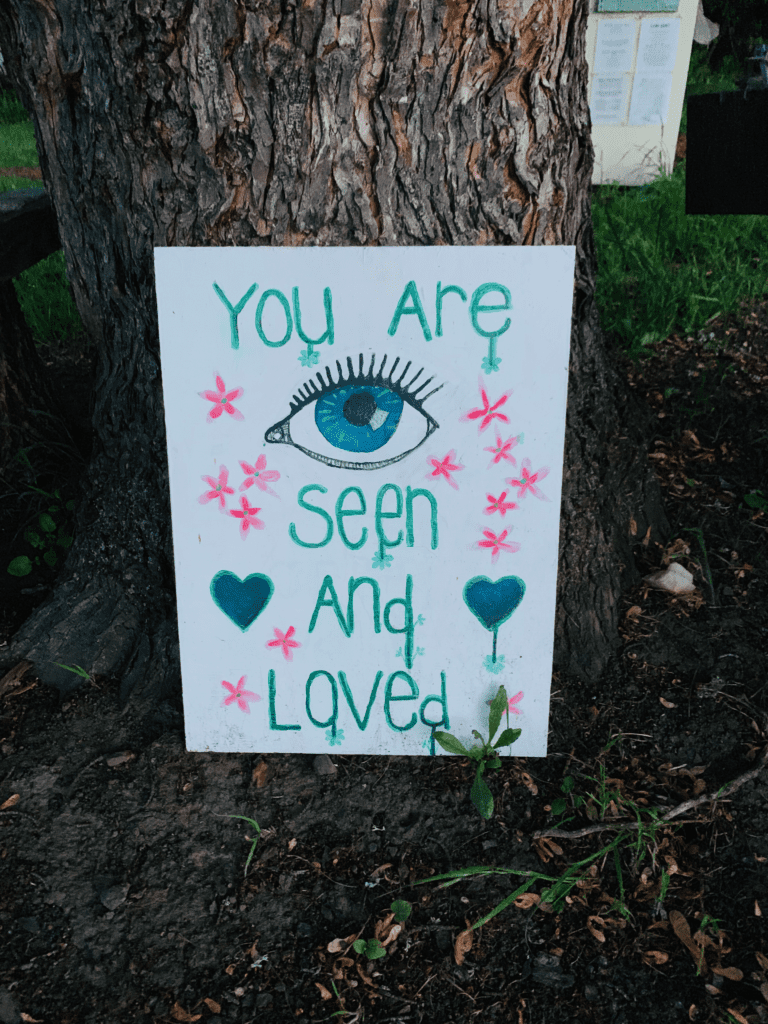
x=284, y=640
x=259, y=475
x=489, y=412
x=218, y=489
x=502, y=450
x=499, y=504
x=497, y=544
x=514, y=700
x=248, y=516
x=222, y=401
x=529, y=480
x=510, y=702
x=237, y=693
x=445, y=468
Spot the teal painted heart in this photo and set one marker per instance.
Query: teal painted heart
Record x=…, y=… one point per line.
x=242, y=601
x=493, y=603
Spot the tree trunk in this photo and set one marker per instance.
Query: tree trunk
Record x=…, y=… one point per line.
x=391, y=122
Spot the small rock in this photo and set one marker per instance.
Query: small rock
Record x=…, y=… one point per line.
x=118, y=759
x=112, y=898
x=675, y=579
x=547, y=970
x=263, y=1000
x=9, y=1008
x=324, y=765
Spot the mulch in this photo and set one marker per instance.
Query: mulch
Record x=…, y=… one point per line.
x=21, y=172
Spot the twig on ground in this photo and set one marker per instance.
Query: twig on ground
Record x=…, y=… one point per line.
x=731, y=787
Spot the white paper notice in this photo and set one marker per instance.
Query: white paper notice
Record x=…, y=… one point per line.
x=615, y=45
x=608, y=103
x=650, y=99
x=657, y=50
x=365, y=450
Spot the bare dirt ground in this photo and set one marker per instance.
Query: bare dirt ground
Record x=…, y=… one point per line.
x=123, y=896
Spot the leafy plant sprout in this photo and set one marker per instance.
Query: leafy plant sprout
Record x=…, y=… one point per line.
x=756, y=499
x=372, y=948
x=640, y=835
x=486, y=754
x=49, y=529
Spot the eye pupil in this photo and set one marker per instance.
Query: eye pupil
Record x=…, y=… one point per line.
x=359, y=408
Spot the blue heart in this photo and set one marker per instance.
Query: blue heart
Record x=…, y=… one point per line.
x=493, y=603
x=242, y=601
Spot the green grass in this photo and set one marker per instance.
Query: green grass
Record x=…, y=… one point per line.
x=43, y=290
x=659, y=271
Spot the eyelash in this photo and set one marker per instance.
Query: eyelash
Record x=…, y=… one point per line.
x=313, y=392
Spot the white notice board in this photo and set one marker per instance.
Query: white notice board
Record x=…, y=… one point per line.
x=638, y=69
x=365, y=450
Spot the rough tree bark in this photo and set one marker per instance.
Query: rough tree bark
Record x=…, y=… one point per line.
x=386, y=122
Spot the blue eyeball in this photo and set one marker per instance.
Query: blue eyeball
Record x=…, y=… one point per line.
x=364, y=412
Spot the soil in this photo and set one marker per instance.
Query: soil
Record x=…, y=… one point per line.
x=125, y=892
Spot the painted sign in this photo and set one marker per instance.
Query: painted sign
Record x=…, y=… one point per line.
x=365, y=451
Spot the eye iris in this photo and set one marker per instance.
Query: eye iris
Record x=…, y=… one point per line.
x=358, y=419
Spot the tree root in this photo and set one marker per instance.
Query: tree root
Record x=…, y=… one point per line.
x=104, y=629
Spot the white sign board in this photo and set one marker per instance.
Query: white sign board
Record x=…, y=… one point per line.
x=638, y=70
x=365, y=449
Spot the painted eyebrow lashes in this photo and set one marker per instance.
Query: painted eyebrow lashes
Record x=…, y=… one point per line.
x=310, y=391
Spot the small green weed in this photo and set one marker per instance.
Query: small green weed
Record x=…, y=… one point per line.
x=756, y=499
x=254, y=841
x=46, y=539
x=372, y=948
x=638, y=835
x=48, y=533
x=78, y=670
x=705, y=559
x=707, y=386
x=666, y=878
x=401, y=909
x=357, y=1016
x=707, y=923
x=485, y=754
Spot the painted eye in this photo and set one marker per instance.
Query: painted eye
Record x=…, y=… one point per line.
x=356, y=415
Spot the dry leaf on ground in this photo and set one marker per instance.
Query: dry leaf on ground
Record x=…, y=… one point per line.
x=655, y=956
x=528, y=782
x=731, y=973
x=179, y=1013
x=462, y=946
